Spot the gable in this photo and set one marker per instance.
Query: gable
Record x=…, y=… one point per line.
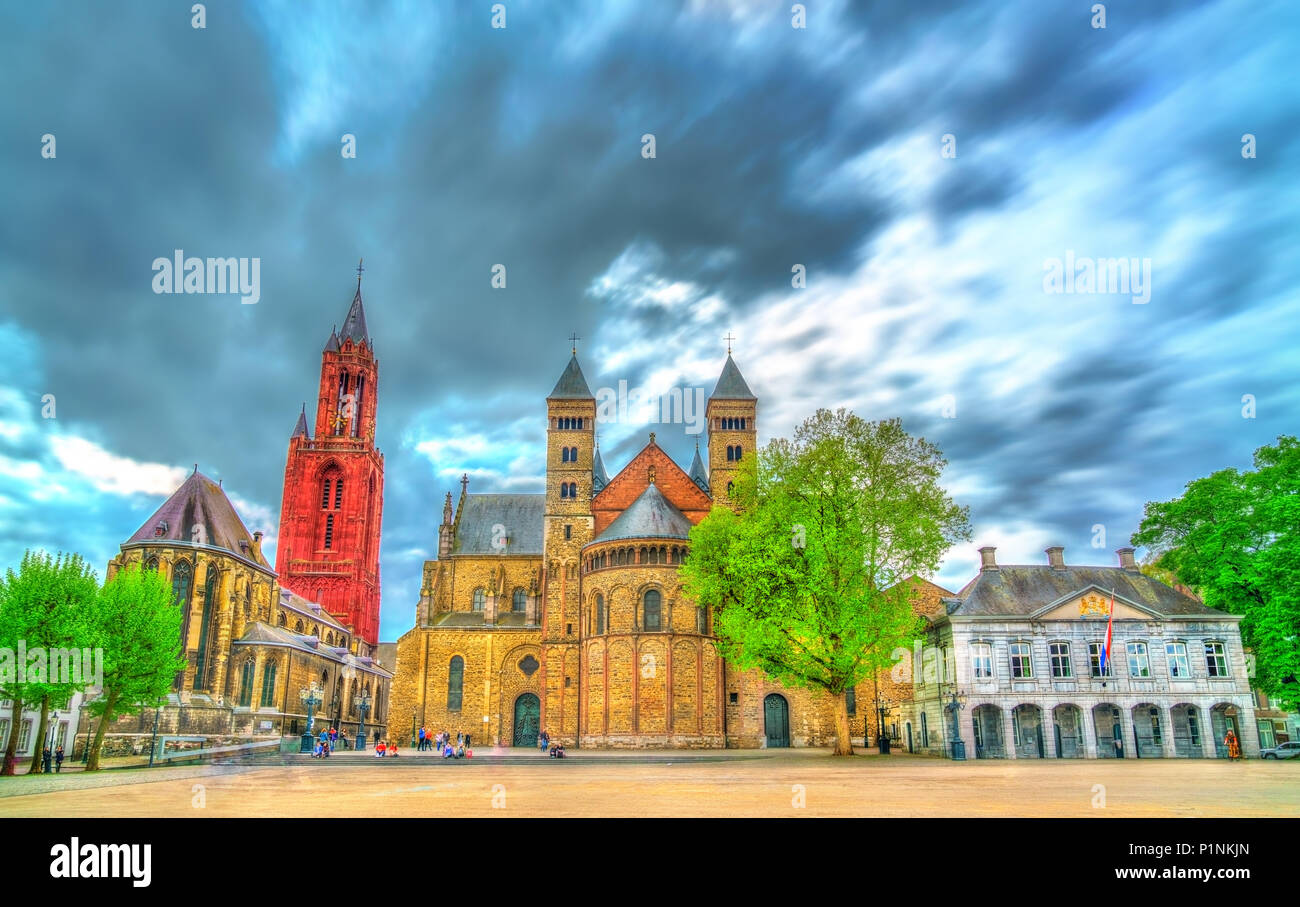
x=631, y=481
x=1094, y=605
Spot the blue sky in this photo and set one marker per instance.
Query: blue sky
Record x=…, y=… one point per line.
x=521, y=146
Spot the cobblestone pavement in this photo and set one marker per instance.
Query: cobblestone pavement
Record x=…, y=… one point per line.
x=731, y=783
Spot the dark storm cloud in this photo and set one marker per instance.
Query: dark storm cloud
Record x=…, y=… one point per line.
x=523, y=148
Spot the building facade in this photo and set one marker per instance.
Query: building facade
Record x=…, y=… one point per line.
x=563, y=610
x=1022, y=646
x=250, y=646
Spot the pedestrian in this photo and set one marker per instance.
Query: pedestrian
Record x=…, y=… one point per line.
x=420, y=748
x=334, y=737
x=343, y=739
x=467, y=741
x=1234, y=747
x=545, y=739
x=460, y=739
x=325, y=742
x=58, y=759
x=46, y=755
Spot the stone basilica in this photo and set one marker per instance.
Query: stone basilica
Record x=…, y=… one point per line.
x=563, y=610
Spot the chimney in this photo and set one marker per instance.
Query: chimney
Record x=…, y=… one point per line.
x=1126, y=560
x=1056, y=557
x=986, y=558
x=257, y=545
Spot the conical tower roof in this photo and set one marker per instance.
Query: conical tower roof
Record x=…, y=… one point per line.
x=199, y=513
x=572, y=385
x=731, y=384
x=650, y=516
x=354, y=326
x=301, y=427
x=697, y=472
x=599, y=477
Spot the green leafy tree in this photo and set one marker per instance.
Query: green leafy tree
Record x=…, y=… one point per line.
x=140, y=632
x=46, y=605
x=1234, y=539
x=805, y=577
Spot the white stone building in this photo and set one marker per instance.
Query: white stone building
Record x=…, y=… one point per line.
x=1021, y=645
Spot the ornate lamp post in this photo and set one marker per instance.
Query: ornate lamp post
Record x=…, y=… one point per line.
x=883, y=705
x=363, y=706
x=955, y=705
x=311, y=697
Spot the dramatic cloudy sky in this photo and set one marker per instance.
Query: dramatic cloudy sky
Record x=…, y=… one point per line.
x=776, y=146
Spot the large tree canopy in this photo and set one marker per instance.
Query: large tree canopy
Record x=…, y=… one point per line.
x=805, y=576
x=1234, y=538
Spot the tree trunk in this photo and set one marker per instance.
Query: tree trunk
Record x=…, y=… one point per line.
x=39, y=749
x=92, y=765
x=843, y=743
x=11, y=747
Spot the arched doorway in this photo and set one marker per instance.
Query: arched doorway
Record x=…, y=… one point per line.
x=1027, y=724
x=1148, y=731
x=986, y=721
x=1223, y=717
x=1068, y=722
x=1188, y=731
x=776, y=720
x=1110, y=740
x=528, y=715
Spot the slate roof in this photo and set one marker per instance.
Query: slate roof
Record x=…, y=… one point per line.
x=697, y=472
x=572, y=385
x=261, y=633
x=1019, y=590
x=599, y=477
x=301, y=427
x=354, y=326
x=731, y=384
x=332, y=345
x=650, y=516
x=520, y=514
x=200, y=502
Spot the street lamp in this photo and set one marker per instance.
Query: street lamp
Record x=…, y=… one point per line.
x=882, y=736
x=49, y=740
x=412, y=728
x=955, y=705
x=363, y=706
x=311, y=697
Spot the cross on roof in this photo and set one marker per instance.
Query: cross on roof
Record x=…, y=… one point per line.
x=728, y=338
x=574, y=338
x=359, y=270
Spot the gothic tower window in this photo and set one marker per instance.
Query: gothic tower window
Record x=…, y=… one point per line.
x=455, y=683
x=518, y=600
x=325, y=494
x=564, y=489
x=206, y=636
x=246, y=684
x=338, y=494
x=479, y=598
x=651, y=611
x=182, y=585
x=600, y=613
x=329, y=532
x=268, y=684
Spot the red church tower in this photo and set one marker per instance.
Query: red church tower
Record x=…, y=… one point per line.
x=328, y=549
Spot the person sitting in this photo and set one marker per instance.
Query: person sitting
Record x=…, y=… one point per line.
x=379, y=749
x=446, y=752
x=557, y=751
x=460, y=751
x=392, y=749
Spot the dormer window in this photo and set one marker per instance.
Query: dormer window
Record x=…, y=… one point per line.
x=160, y=529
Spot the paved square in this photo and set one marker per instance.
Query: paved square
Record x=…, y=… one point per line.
x=724, y=784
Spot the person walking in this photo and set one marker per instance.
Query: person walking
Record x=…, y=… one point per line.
x=545, y=739
x=1233, y=745
x=420, y=748
x=58, y=759
x=46, y=755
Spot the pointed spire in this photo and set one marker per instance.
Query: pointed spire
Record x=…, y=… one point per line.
x=599, y=477
x=731, y=384
x=699, y=475
x=301, y=427
x=446, y=510
x=572, y=385
x=354, y=326
x=332, y=345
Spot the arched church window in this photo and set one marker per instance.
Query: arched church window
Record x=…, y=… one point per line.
x=573, y=489
x=268, y=684
x=480, y=597
x=564, y=489
x=519, y=600
x=206, y=635
x=151, y=564
x=329, y=532
x=652, y=601
x=297, y=627
x=325, y=494
x=600, y=613
x=338, y=494
x=246, y=684
x=455, y=683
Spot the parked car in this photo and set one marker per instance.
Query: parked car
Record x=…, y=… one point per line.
x=1289, y=750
